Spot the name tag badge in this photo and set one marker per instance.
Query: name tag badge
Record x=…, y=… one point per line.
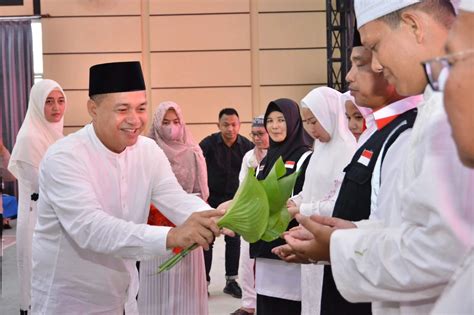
x=290, y=164
x=365, y=157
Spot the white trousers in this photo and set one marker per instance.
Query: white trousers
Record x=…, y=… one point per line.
x=247, y=276
x=311, y=288
x=25, y=226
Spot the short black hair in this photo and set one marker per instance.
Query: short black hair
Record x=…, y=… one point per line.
x=441, y=10
x=229, y=111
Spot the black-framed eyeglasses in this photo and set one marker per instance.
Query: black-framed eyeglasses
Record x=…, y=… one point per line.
x=437, y=69
x=257, y=134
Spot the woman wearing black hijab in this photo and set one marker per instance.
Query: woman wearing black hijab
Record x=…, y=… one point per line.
x=278, y=284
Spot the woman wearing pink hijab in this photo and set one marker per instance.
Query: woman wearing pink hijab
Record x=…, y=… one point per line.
x=183, y=289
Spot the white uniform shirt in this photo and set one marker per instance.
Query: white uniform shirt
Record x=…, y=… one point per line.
x=91, y=213
x=403, y=268
x=248, y=161
x=385, y=174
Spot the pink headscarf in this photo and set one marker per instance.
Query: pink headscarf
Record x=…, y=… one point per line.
x=185, y=156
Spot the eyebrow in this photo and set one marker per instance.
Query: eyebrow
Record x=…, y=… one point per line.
x=357, y=58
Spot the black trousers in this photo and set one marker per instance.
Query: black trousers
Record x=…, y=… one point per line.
x=232, y=256
x=333, y=303
x=267, y=305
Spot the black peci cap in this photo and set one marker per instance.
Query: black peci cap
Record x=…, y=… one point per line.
x=116, y=77
x=356, y=40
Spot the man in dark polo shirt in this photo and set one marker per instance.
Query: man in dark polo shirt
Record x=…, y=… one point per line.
x=224, y=151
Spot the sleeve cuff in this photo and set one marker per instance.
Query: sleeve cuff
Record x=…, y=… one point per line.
x=155, y=240
x=297, y=199
x=306, y=209
x=369, y=224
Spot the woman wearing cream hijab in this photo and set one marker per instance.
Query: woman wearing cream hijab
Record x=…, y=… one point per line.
x=324, y=113
x=43, y=125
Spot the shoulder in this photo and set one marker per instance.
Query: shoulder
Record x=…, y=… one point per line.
x=249, y=154
x=208, y=143
x=70, y=143
x=246, y=142
x=299, y=153
x=209, y=139
x=68, y=152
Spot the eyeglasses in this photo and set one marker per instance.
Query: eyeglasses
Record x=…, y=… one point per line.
x=437, y=69
x=257, y=134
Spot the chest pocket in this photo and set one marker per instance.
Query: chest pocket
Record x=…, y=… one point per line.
x=358, y=173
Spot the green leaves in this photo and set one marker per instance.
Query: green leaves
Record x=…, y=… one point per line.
x=278, y=190
x=258, y=210
x=248, y=213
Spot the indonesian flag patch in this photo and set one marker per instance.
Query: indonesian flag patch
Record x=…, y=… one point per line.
x=290, y=164
x=365, y=157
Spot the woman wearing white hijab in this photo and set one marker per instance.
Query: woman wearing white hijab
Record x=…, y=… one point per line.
x=183, y=289
x=323, y=106
x=43, y=125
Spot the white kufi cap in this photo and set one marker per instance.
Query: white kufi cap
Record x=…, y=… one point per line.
x=370, y=10
x=467, y=5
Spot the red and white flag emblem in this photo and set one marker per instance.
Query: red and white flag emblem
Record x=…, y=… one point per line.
x=290, y=164
x=365, y=157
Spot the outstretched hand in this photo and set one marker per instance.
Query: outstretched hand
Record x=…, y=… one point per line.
x=333, y=222
x=293, y=209
x=307, y=243
x=200, y=228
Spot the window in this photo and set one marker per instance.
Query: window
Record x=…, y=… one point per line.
x=37, y=34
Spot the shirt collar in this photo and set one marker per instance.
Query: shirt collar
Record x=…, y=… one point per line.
x=102, y=147
x=388, y=113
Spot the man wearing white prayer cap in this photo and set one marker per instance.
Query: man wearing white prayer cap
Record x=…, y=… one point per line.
x=403, y=269
x=459, y=62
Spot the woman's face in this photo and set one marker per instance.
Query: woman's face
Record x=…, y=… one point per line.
x=260, y=137
x=355, y=119
x=170, y=118
x=314, y=127
x=276, y=126
x=54, y=106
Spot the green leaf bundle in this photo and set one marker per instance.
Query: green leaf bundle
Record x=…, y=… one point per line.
x=258, y=210
x=248, y=212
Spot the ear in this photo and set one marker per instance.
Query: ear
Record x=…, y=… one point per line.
x=92, y=109
x=413, y=21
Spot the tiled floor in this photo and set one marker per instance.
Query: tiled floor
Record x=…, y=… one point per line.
x=219, y=303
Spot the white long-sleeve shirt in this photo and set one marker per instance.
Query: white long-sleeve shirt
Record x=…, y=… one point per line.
x=91, y=228
x=404, y=267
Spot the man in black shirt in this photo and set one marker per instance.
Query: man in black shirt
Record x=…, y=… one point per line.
x=224, y=151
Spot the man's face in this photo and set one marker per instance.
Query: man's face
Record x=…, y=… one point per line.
x=229, y=125
x=119, y=118
x=369, y=88
x=397, y=53
x=458, y=97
